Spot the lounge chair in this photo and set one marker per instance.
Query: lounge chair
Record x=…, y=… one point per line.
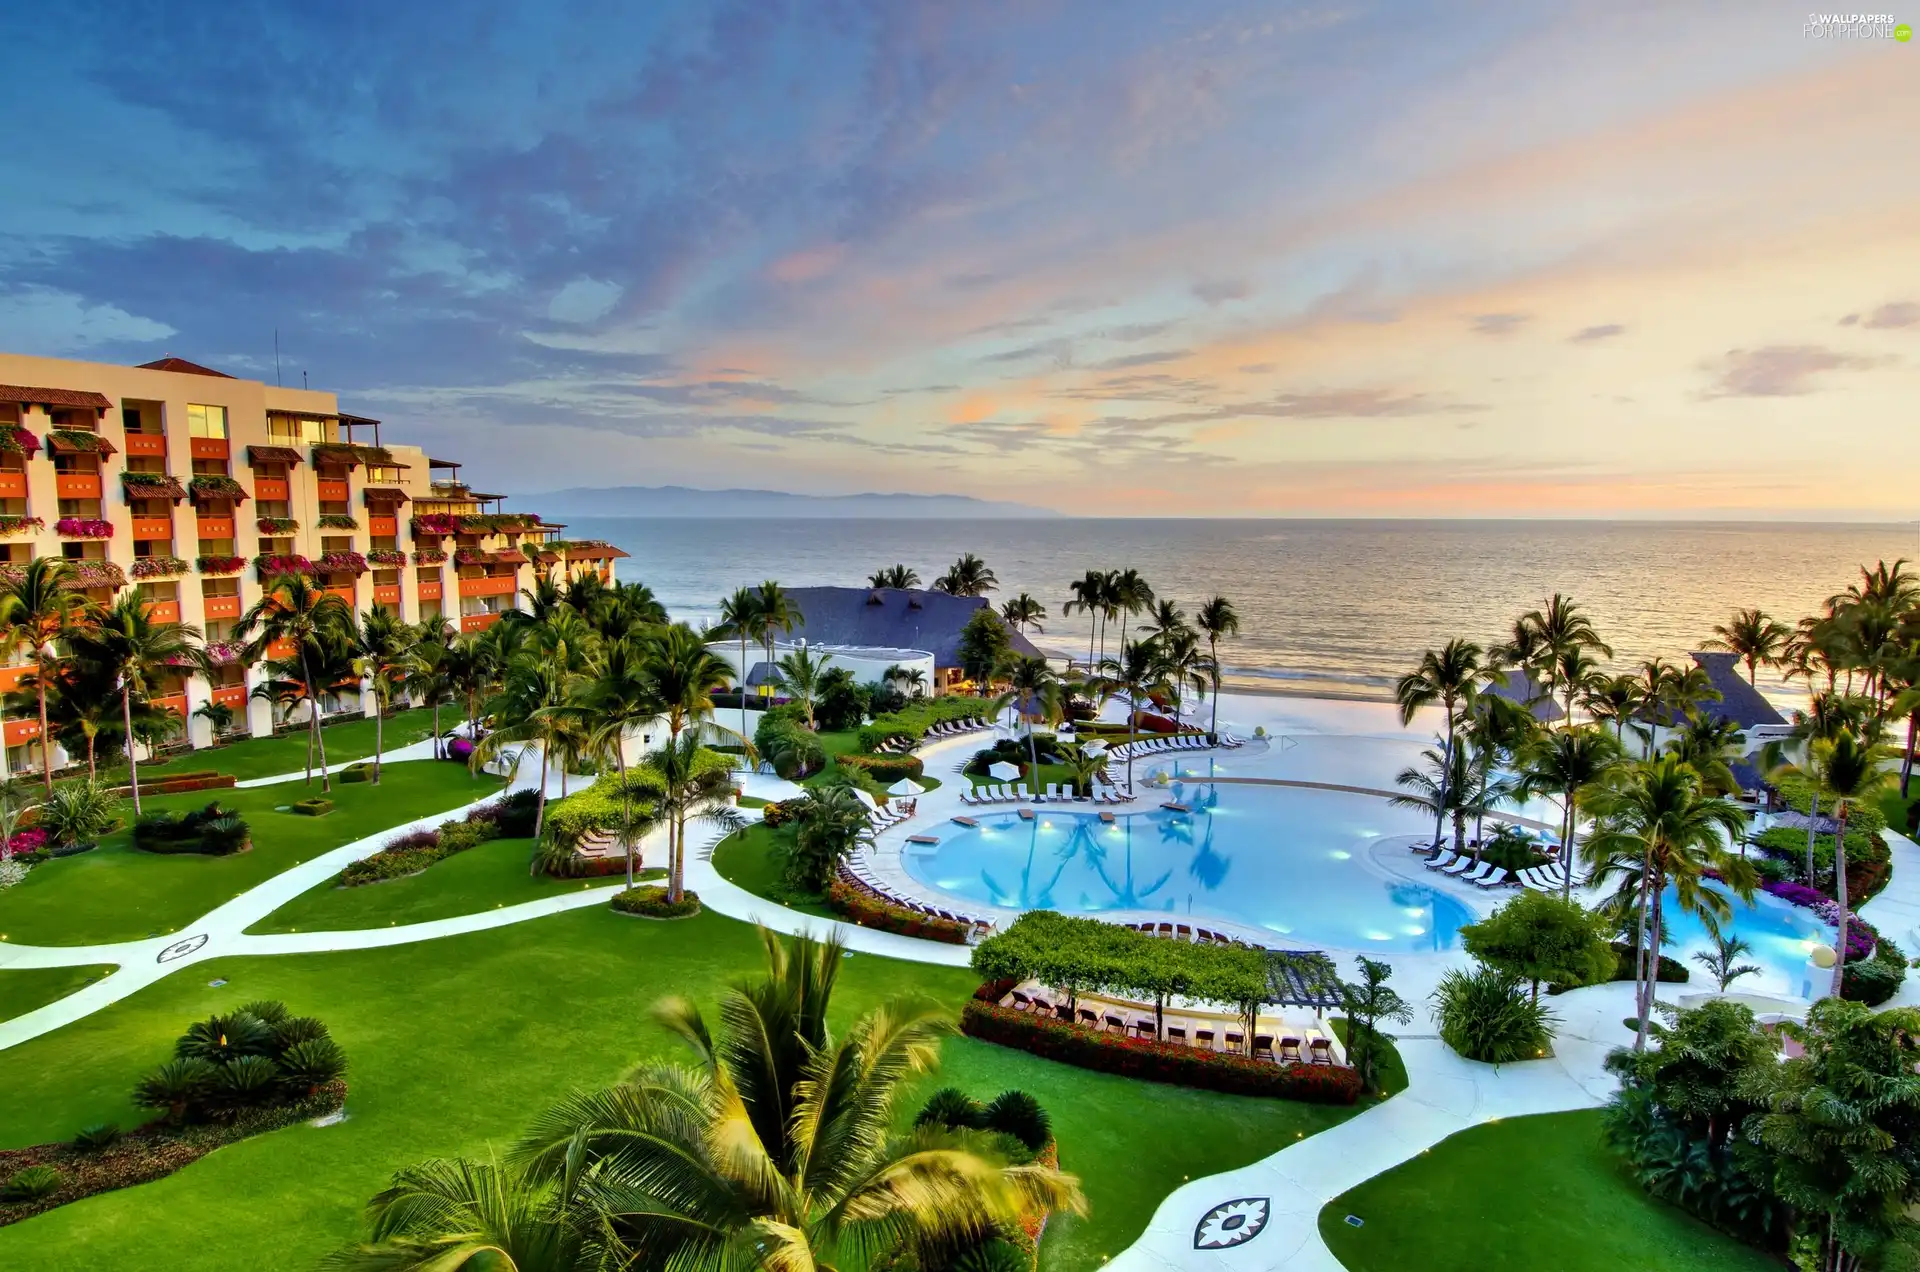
x=1441, y=861
x=1478, y=873
x=1021, y=1002
x=1177, y=1033
x=1460, y=865
x=1322, y=1050
x=1203, y=1039
x=1164, y=929
x=1290, y=1050
x=1263, y=1046
x=1115, y=1024
x=1088, y=1018
x=1495, y=878
x=1144, y=1027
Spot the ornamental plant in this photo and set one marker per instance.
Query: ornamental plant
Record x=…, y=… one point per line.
x=19, y=441
x=214, y=486
x=76, y=439
x=340, y=563
x=435, y=525
x=386, y=556
x=336, y=521
x=429, y=556
x=220, y=564
x=271, y=564
x=97, y=573
x=152, y=485
x=277, y=525
x=158, y=567
x=83, y=528
x=17, y=525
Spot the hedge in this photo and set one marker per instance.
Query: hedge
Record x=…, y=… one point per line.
x=152, y=1152
x=885, y=768
x=415, y=851
x=869, y=911
x=1874, y=980
x=313, y=807
x=1153, y=1061
x=652, y=903
x=1672, y=971
x=598, y=807
x=1869, y=860
x=179, y=784
x=914, y=719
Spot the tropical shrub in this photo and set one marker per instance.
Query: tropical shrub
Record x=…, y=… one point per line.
x=251, y=1057
x=920, y=714
x=511, y=815
x=1876, y=978
x=312, y=807
x=828, y=819
x=952, y=1108
x=1539, y=937
x=1008, y=751
x=1869, y=860
x=1018, y=1114
x=840, y=702
x=97, y=1138
x=786, y=743
x=1486, y=1015
x=414, y=851
x=212, y=831
x=77, y=814
x=652, y=903
x=869, y=911
x=31, y=1184
x=885, y=769
x=1169, y=1062
x=774, y=814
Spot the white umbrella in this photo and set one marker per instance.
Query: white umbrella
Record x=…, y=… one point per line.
x=1003, y=771
x=906, y=786
x=1095, y=747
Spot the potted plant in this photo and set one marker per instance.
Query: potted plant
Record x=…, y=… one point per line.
x=76, y=815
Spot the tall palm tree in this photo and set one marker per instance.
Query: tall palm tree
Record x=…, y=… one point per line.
x=1137, y=673
x=693, y=789
x=1567, y=763
x=1438, y=788
x=778, y=613
x=1128, y=593
x=428, y=671
x=799, y=675
x=627, y=608
x=1658, y=827
x=137, y=651
x=1612, y=700
x=912, y=677
x=1217, y=621
x=1185, y=665
x=380, y=647
x=1035, y=691
x=316, y=622
x=685, y=674
x=1849, y=772
x=901, y=577
x=1164, y=618
x=39, y=606
x=526, y=711
x=1023, y=612
x=969, y=576
x=739, y=620
x=543, y=600
x=1449, y=676
x=1566, y=638
x=1752, y=635
x=1710, y=746
x=623, y=695
x=1088, y=598
x=778, y=1148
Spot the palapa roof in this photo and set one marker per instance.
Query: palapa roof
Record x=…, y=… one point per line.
x=28, y=395
x=181, y=365
x=1520, y=687
x=273, y=455
x=891, y=618
x=1739, y=701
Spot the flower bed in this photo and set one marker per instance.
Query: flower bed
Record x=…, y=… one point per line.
x=386, y=556
x=1153, y=1061
x=271, y=565
x=651, y=903
x=83, y=528
x=277, y=525
x=413, y=852
x=19, y=525
x=158, y=567
x=212, y=831
x=435, y=525
x=180, y=784
x=220, y=564
x=869, y=911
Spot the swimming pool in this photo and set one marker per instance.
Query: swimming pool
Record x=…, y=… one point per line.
x=1289, y=860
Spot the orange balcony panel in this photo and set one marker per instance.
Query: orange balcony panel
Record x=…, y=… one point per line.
x=503, y=585
x=13, y=485
x=18, y=731
x=216, y=527
x=383, y=525
x=152, y=528
x=387, y=594
x=77, y=485
x=282, y=649
x=221, y=606
x=344, y=593
x=477, y=622
x=174, y=702
x=164, y=611
x=271, y=489
x=234, y=696
x=10, y=678
x=331, y=490
x=429, y=591
x=208, y=447
x=151, y=444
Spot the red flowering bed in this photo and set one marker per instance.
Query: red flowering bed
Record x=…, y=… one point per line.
x=1169, y=1062
x=869, y=911
x=1148, y=722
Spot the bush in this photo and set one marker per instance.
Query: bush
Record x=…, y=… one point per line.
x=652, y=903
x=415, y=851
x=1486, y=1015
x=355, y=773
x=885, y=769
x=774, y=814
x=307, y=1066
x=869, y=911
x=1152, y=1061
x=1869, y=860
x=794, y=750
x=913, y=720
x=32, y=1184
x=95, y=1138
x=1018, y=1114
x=512, y=815
x=994, y=1255
x=1876, y=979
x=313, y=807
x=1009, y=751
x=211, y=831
x=952, y=1108
x=247, y=1058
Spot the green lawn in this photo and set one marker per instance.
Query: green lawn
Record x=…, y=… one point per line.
x=747, y=860
x=1522, y=1195
x=486, y=877
x=456, y=1044
x=116, y=893
x=250, y=758
x=24, y=989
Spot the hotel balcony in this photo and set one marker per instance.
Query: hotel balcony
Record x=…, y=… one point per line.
x=234, y=696
x=272, y=489
x=13, y=485
x=220, y=606
x=164, y=611
x=10, y=677
x=330, y=490
x=489, y=585
x=153, y=445
x=150, y=527
x=383, y=524
x=209, y=448
x=212, y=528
x=77, y=485
x=174, y=702
x=477, y=622
x=19, y=731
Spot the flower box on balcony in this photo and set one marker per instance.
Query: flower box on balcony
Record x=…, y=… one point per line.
x=271, y=565
x=76, y=439
x=435, y=525
x=336, y=521
x=386, y=556
x=277, y=525
x=83, y=528
x=19, y=441
x=340, y=563
x=221, y=564
x=350, y=454
x=91, y=574
x=152, y=486
x=222, y=652
x=429, y=556
x=20, y=525
x=158, y=567
x=209, y=486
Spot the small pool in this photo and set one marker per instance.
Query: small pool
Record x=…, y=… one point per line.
x=1782, y=937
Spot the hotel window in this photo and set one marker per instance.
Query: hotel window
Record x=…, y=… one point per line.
x=206, y=421
x=376, y=473
x=290, y=430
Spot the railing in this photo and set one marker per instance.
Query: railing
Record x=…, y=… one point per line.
x=271, y=489
x=345, y=593
x=387, y=594
x=215, y=527
x=208, y=447
x=77, y=485
x=377, y=525
x=150, y=444
x=495, y=585
x=330, y=490
x=477, y=622
x=282, y=649
x=154, y=528
x=429, y=591
x=234, y=696
x=221, y=606
x=18, y=731
x=174, y=702
x=13, y=485
x=164, y=611
x=10, y=678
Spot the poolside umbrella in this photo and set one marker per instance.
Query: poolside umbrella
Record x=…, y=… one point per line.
x=1003, y=771
x=1095, y=747
x=906, y=786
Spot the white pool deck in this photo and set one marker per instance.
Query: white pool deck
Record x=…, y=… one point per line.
x=1359, y=744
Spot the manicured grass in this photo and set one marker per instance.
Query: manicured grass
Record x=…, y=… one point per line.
x=485, y=877
x=456, y=1044
x=24, y=989
x=1390, y=1070
x=251, y=758
x=1521, y=1195
x=747, y=860
x=117, y=893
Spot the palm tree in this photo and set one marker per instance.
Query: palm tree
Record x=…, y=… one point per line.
x=380, y=653
x=543, y=600
x=473, y=669
x=799, y=674
x=912, y=677
x=137, y=651
x=628, y=608
x=1438, y=789
x=1088, y=598
x=1566, y=638
x=283, y=690
x=1186, y=667
x=1566, y=763
x=1035, y=691
x=1660, y=827
x=1023, y=612
x=1612, y=699
x=1848, y=771
x=901, y=577
x=778, y=1148
x=1710, y=746
x=427, y=669
x=623, y=695
x=1127, y=594
x=524, y=712
x=693, y=789
x=1164, y=618
x=1136, y=674
x=685, y=674
x=740, y=619
x=1450, y=677
x=1217, y=620
x=1752, y=635
x=778, y=613
x=466, y=1216
x=38, y=606
x=969, y=576
x=312, y=619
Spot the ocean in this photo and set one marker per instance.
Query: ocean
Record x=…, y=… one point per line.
x=1327, y=607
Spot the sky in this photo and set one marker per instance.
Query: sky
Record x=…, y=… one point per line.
x=1115, y=258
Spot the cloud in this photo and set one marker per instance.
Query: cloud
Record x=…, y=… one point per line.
x=1219, y=291
x=1141, y=360
x=60, y=322
x=1498, y=324
x=1605, y=331
x=1779, y=370
x=583, y=300
x=1900, y=313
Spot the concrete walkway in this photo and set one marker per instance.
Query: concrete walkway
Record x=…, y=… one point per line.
x=1896, y=911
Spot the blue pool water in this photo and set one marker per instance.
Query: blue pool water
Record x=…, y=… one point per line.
x=1291, y=861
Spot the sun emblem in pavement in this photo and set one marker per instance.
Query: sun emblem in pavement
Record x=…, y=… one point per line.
x=180, y=949
x=1231, y=1223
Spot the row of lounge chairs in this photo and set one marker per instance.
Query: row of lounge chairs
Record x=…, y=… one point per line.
x=1056, y=793
x=857, y=876
x=1462, y=866
x=1173, y=742
x=1197, y=935
x=892, y=815
x=1288, y=1049
x=903, y=745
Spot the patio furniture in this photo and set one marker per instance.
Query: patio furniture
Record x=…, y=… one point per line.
x=1021, y=1002
x=1088, y=1018
x=1263, y=1046
x=1290, y=1050
x=1143, y=1028
x=1322, y=1049
x=1235, y=1041
x=1203, y=1039
x=1177, y=1033
x=1116, y=1024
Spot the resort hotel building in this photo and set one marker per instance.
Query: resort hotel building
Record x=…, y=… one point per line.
x=194, y=487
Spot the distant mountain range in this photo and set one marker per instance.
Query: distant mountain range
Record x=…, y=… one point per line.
x=685, y=501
